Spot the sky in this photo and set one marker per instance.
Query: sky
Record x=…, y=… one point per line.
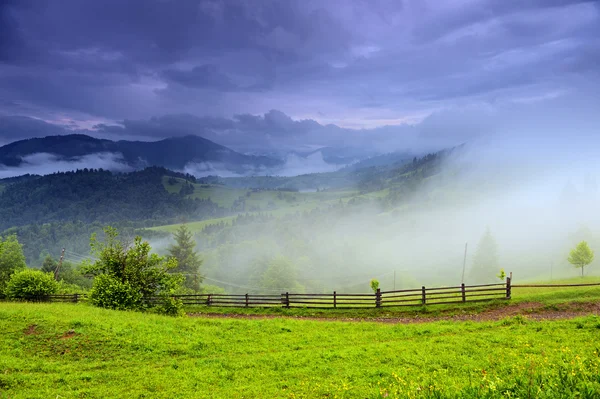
x=271, y=74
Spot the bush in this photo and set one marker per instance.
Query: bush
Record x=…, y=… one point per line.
x=171, y=306
x=109, y=292
x=127, y=275
x=374, y=285
x=31, y=284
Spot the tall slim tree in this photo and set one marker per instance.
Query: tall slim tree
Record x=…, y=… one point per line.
x=485, y=262
x=581, y=256
x=188, y=260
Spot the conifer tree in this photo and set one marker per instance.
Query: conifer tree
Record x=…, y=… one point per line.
x=485, y=262
x=188, y=260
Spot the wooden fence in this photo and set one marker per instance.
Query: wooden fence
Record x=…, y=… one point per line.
x=414, y=297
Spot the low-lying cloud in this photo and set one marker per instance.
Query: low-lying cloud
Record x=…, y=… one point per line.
x=44, y=163
x=293, y=165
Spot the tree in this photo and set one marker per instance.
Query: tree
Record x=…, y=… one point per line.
x=280, y=274
x=188, y=260
x=374, y=285
x=128, y=274
x=581, y=256
x=31, y=284
x=485, y=261
x=11, y=259
x=49, y=264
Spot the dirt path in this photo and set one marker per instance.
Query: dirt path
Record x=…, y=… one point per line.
x=530, y=310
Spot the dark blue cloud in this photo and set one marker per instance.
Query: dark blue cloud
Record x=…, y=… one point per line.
x=360, y=63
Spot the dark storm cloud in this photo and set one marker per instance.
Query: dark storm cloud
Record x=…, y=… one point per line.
x=14, y=128
x=360, y=63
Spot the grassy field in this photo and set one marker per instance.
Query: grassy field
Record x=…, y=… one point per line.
x=76, y=351
x=193, y=226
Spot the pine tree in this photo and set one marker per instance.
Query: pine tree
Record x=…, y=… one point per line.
x=485, y=262
x=188, y=260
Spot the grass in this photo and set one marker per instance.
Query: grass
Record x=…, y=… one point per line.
x=193, y=226
x=559, y=294
x=75, y=351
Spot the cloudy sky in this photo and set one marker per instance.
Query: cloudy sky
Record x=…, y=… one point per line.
x=282, y=74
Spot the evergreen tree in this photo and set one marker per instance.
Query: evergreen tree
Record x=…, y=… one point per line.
x=188, y=260
x=485, y=262
x=49, y=264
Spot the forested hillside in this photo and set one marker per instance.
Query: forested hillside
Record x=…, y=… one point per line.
x=98, y=196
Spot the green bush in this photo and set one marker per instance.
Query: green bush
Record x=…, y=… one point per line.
x=31, y=284
x=109, y=292
x=127, y=275
x=171, y=306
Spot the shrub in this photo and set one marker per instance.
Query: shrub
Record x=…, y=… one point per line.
x=31, y=284
x=374, y=285
x=109, y=292
x=171, y=306
x=127, y=274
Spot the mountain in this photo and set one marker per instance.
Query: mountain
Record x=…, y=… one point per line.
x=172, y=153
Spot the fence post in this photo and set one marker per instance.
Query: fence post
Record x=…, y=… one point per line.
x=75, y=298
x=246, y=300
x=334, y=300
x=464, y=294
x=208, y=300
x=423, y=301
x=378, y=298
x=287, y=299
x=508, y=287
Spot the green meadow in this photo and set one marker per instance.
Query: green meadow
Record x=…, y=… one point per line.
x=76, y=351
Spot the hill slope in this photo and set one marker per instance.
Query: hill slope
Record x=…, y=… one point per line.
x=97, y=195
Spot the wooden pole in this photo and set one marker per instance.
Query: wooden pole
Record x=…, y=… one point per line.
x=334, y=299
x=464, y=264
x=378, y=298
x=423, y=299
x=464, y=294
x=60, y=261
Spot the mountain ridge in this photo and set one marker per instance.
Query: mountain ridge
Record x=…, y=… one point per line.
x=171, y=153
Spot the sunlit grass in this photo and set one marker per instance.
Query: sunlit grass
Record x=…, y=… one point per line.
x=68, y=351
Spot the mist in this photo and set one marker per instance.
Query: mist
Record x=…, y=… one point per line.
x=532, y=185
x=293, y=165
x=45, y=163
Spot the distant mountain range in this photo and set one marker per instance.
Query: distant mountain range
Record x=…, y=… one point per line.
x=173, y=153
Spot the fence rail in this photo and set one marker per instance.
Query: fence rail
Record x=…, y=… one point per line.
x=412, y=297
x=381, y=299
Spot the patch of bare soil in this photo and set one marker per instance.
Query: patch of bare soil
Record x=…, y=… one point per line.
x=530, y=310
x=69, y=334
x=31, y=330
